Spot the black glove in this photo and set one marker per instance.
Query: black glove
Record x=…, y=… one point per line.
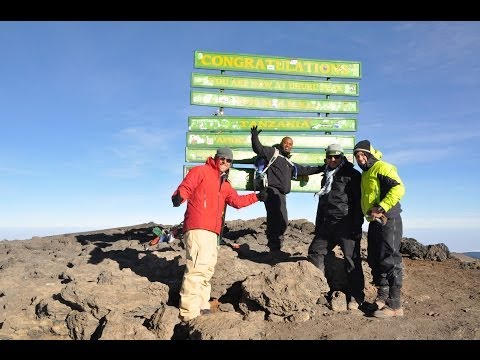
x=262, y=195
x=254, y=130
x=176, y=200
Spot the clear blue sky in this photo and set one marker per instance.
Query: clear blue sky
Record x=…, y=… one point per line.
x=94, y=117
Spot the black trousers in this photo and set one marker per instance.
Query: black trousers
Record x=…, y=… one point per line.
x=277, y=218
x=384, y=255
x=327, y=236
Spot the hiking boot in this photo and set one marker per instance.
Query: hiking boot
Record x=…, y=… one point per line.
x=387, y=312
x=186, y=319
x=214, y=305
x=378, y=304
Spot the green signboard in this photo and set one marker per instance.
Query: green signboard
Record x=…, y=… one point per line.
x=243, y=139
x=277, y=65
x=242, y=179
x=310, y=134
x=247, y=156
x=274, y=85
x=243, y=123
x=273, y=103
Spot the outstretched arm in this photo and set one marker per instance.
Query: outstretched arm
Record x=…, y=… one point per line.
x=309, y=170
x=257, y=147
x=239, y=201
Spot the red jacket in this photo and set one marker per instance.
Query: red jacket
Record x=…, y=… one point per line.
x=207, y=194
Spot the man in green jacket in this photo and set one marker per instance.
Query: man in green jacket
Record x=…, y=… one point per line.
x=382, y=190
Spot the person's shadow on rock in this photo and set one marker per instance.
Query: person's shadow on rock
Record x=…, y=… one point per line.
x=265, y=257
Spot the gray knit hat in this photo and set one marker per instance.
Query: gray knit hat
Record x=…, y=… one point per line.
x=224, y=152
x=334, y=149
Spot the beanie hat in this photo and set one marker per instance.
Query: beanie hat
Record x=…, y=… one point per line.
x=363, y=146
x=224, y=152
x=334, y=149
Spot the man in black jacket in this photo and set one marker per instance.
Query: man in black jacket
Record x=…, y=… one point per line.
x=279, y=174
x=339, y=221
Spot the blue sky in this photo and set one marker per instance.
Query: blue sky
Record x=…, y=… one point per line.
x=94, y=117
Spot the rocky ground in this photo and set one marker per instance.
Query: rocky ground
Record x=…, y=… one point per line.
x=111, y=285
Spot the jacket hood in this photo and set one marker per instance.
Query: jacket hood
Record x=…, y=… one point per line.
x=376, y=153
x=211, y=162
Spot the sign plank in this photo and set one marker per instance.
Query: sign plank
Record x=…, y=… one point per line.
x=273, y=103
x=274, y=85
x=243, y=139
x=277, y=65
x=243, y=123
x=247, y=156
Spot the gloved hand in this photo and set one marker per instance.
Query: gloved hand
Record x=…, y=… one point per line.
x=383, y=219
x=177, y=199
x=262, y=195
x=254, y=130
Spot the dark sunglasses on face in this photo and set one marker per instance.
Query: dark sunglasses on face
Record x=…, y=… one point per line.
x=336, y=157
x=225, y=159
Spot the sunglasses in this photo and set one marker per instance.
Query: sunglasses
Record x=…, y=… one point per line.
x=225, y=159
x=336, y=157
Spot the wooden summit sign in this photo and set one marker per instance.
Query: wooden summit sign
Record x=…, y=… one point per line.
x=243, y=139
x=273, y=103
x=311, y=134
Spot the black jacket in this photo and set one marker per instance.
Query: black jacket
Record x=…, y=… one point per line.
x=281, y=172
x=343, y=200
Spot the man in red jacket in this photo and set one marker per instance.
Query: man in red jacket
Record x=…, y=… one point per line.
x=206, y=190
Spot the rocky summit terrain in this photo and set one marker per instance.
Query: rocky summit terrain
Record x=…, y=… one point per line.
x=112, y=285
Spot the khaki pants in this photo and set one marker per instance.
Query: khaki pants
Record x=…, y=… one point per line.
x=201, y=248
